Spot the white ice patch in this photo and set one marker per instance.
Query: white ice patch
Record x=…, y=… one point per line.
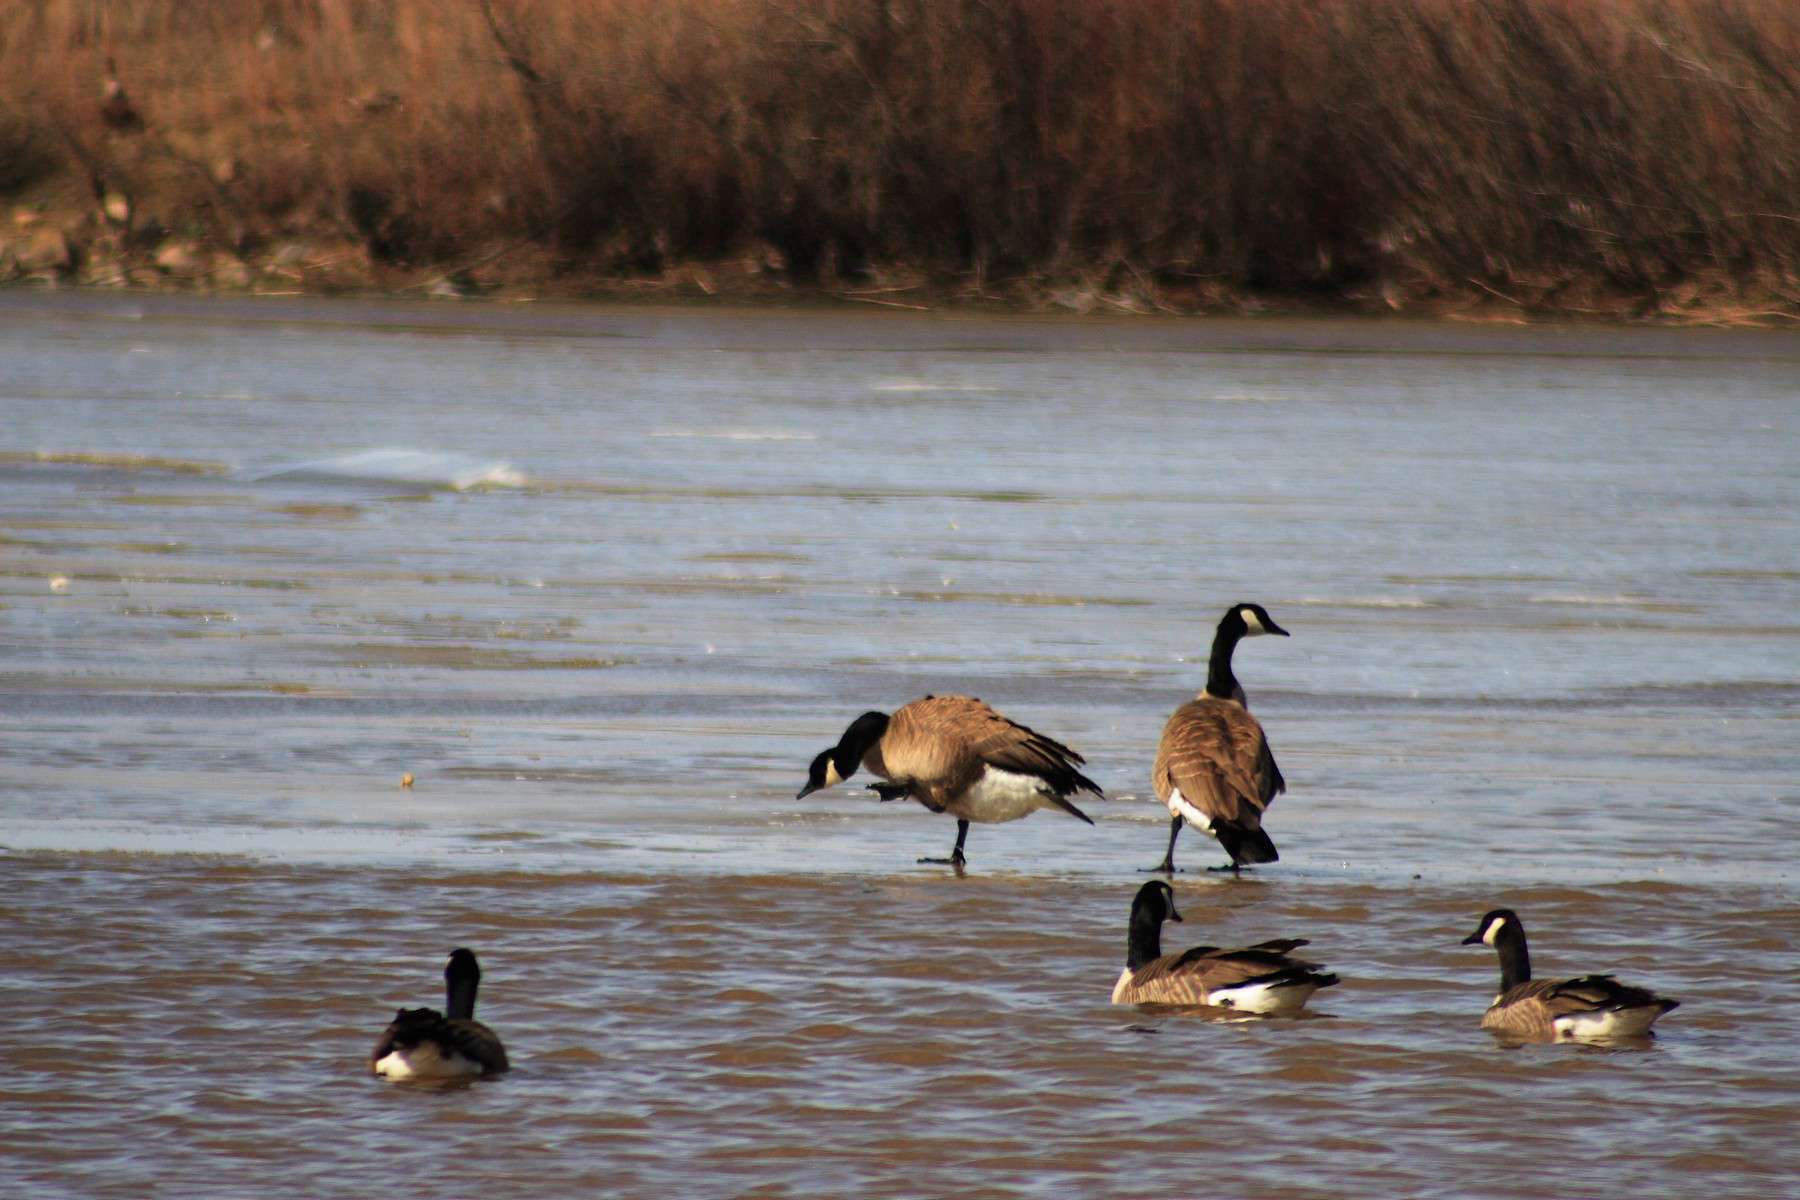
x=1179, y=806
x=417, y=468
x=1001, y=796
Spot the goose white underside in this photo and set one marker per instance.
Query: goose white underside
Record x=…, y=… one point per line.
x=1265, y=999
x=1118, y=996
x=1001, y=796
x=1179, y=807
x=1614, y=1023
x=427, y=1060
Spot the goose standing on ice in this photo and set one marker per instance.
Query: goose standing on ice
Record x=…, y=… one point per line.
x=1592, y=1006
x=423, y=1043
x=956, y=755
x=1256, y=979
x=1213, y=766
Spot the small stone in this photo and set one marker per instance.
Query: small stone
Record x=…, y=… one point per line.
x=230, y=272
x=59, y=583
x=290, y=254
x=406, y=780
x=177, y=258
x=46, y=250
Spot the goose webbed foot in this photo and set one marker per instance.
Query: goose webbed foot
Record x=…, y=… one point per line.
x=1232, y=867
x=956, y=859
x=1165, y=867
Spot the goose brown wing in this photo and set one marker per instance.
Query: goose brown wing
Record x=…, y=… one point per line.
x=405, y=1031
x=959, y=735
x=1215, y=753
x=476, y=1041
x=468, y=1037
x=1592, y=993
x=1279, y=945
x=1215, y=968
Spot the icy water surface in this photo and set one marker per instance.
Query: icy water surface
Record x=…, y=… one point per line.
x=603, y=581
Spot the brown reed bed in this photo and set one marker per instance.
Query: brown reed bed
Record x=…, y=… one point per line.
x=1616, y=156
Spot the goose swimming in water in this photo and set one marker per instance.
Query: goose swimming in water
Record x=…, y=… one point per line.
x=1256, y=979
x=424, y=1044
x=956, y=755
x=1213, y=766
x=1591, y=1006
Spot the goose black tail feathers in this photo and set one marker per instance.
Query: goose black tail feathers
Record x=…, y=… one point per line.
x=1245, y=845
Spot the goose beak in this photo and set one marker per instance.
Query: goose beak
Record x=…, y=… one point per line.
x=1173, y=915
x=1474, y=939
x=805, y=791
x=1275, y=629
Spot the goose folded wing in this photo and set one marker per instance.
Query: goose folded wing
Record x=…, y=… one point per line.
x=475, y=1041
x=1591, y=993
x=1009, y=746
x=1198, y=757
x=1228, y=968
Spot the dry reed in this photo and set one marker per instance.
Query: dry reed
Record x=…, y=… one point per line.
x=1408, y=148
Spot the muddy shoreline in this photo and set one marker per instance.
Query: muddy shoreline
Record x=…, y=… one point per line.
x=70, y=248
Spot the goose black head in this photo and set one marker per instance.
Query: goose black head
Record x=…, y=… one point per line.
x=1156, y=902
x=462, y=965
x=838, y=763
x=1251, y=620
x=1490, y=929
x=1153, y=904
x=822, y=774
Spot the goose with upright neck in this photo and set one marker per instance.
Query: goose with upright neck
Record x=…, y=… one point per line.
x=1259, y=979
x=426, y=1045
x=1590, y=1007
x=956, y=755
x=1213, y=766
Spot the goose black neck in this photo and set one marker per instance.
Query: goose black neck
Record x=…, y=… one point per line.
x=1145, y=943
x=1515, y=960
x=863, y=733
x=1220, y=682
x=459, y=995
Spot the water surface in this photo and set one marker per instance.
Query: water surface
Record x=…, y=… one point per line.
x=604, y=580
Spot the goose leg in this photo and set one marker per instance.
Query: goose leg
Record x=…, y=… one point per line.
x=1167, y=866
x=956, y=855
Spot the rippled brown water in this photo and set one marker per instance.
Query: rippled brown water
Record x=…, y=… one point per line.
x=604, y=581
x=202, y=1027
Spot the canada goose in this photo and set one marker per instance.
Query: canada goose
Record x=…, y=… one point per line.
x=1256, y=979
x=1592, y=1006
x=957, y=755
x=422, y=1043
x=1213, y=766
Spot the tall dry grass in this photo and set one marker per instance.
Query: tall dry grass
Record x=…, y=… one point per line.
x=1315, y=146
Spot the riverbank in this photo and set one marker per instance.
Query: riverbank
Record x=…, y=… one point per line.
x=1507, y=160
